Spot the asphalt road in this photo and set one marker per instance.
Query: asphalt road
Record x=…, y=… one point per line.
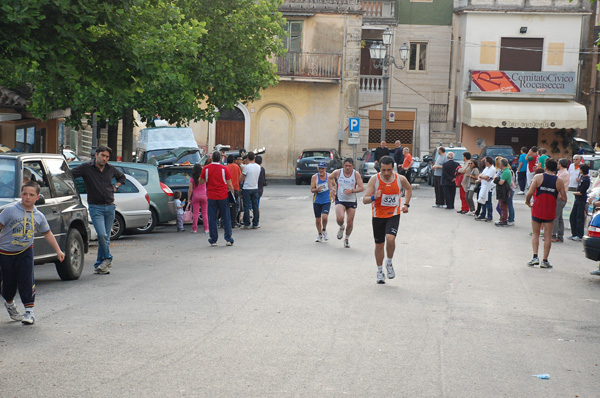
x=279, y=315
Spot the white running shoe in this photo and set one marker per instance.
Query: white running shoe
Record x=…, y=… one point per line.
x=346, y=243
x=340, y=233
x=380, y=277
x=28, y=318
x=319, y=238
x=390, y=271
x=325, y=235
x=13, y=312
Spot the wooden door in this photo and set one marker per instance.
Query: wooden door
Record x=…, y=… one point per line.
x=230, y=132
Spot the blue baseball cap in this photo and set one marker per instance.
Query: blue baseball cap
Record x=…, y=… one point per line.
x=322, y=165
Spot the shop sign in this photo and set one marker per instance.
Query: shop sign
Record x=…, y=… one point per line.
x=495, y=81
x=529, y=124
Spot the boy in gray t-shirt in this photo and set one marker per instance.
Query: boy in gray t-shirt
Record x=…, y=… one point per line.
x=18, y=224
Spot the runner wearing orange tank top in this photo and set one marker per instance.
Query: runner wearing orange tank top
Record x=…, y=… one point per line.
x=383, y=193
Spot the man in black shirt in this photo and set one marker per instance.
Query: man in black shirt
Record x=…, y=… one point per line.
x=449, y=180
x=380, y=152
x=399, y=156
x=97, y=176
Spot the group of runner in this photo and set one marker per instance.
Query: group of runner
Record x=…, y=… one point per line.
x=383, y=192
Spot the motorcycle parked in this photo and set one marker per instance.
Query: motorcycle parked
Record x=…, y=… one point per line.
x=421, y=168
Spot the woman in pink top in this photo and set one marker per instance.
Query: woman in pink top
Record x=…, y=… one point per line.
x=199, y=199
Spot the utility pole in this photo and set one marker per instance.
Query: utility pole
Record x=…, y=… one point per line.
x=591, y=128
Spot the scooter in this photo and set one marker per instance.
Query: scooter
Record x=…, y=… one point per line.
x=421, y=168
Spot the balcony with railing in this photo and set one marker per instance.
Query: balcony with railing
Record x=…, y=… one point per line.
x=314, y=6
x=315, y=67
x=379, y=11
x=371, y=83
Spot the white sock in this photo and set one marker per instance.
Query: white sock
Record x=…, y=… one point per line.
x=388, y=261
x=347, y=236
x=380, y=268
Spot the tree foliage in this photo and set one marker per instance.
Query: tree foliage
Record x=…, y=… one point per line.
x=180, y=59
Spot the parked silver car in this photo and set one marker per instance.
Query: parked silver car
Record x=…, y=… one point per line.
x=365, y=165
x=132, y=207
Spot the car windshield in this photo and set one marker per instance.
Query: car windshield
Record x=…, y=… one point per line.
x=458, y=153
x=315, y=154
x=585, y=145
x=8, y=171
x=504, y=152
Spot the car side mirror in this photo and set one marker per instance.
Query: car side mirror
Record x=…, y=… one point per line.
x=41, y=200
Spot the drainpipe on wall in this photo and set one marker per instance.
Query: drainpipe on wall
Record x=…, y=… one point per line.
x=341, y=117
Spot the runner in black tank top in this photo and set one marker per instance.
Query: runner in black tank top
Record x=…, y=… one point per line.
x=545, y=188
x=544, y=206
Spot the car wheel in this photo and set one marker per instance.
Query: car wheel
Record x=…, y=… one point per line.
x=72, y=266
x=118, y=227
x=151, y=223
x=298, y=181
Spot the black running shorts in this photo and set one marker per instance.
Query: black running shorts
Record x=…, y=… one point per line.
x=385, y=226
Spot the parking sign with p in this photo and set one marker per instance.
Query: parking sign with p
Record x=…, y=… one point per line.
x=354, y=124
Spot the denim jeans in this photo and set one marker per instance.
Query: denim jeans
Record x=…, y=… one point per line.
x=511, y=207
x=251, y=201
x=487, y=209
x=214, y=208
x=103, y=217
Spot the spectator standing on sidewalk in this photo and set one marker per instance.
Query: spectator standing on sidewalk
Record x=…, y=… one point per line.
x=503, y=191
x=465, y=171
x=577, y=218
x=532, y=158
x=249, y=178
x=558, y=230
x=574, y=173
x=522, y=171
x=236, y=172
x=437, y=177
x=545, y=188
x=261, y=178
x=380, y=152
x=218, y=185
x=449, y=180
x=485, y=194
x=407, y=164
x=97, y=176
x=471, y=178
x=399, y=155
x=197, y=197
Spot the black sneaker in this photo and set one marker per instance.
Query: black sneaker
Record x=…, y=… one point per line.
x=545, y=264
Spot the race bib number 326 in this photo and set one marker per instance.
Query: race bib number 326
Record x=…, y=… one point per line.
x=390, y=200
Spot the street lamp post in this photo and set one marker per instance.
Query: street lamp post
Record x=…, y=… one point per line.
x=382, y=60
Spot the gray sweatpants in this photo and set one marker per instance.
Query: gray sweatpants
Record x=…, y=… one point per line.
x=558, y=230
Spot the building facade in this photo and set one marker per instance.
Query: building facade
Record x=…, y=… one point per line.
x=517, y=72
x=22, y=132
x=419, y=97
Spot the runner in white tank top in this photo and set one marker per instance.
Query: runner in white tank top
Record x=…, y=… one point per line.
x=344, y=185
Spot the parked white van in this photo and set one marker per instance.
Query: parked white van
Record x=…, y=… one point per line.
x=157, y=141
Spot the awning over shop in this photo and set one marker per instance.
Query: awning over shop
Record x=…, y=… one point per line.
x=524, y=114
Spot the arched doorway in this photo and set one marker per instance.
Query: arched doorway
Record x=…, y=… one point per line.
x=230, y=128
